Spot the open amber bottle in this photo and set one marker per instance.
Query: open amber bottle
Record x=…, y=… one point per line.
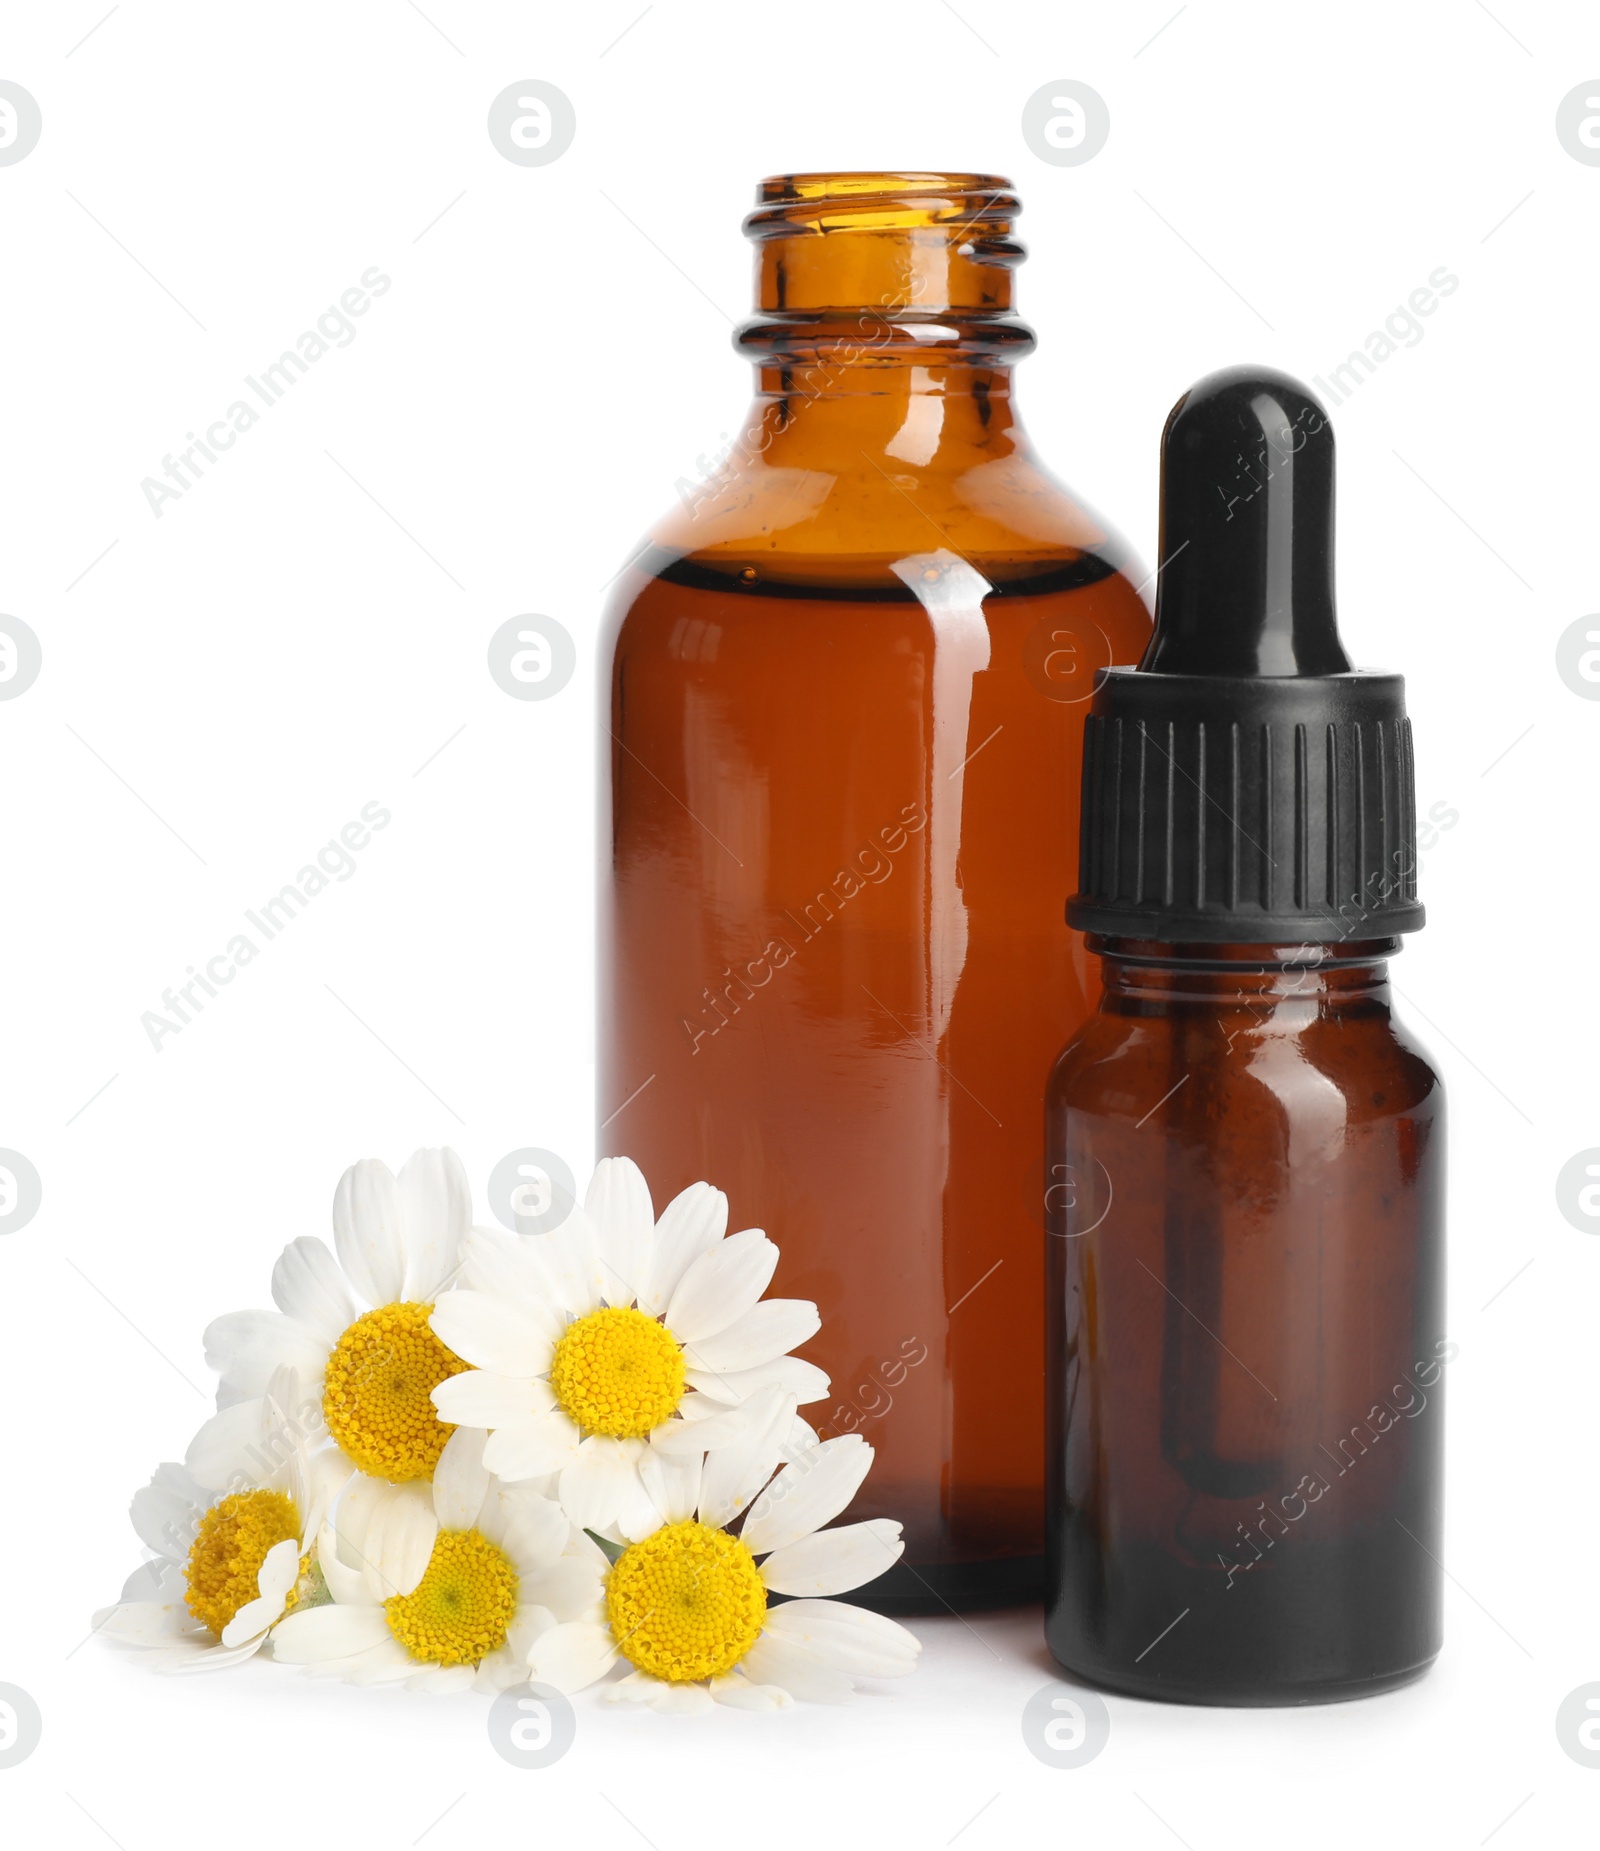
x=844, y=732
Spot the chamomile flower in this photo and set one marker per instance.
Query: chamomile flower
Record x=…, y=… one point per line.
x=440, y=1587
x=618, y=1341
x=356, y=1328
x=687, y=1605
x=231, y=1531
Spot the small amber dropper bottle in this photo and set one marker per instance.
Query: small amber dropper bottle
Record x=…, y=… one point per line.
x=1245, y=1149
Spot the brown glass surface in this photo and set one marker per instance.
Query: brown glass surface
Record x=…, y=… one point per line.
x=1246, y=1302
x=841, y=823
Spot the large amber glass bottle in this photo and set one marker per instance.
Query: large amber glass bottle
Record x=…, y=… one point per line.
x=844, y=733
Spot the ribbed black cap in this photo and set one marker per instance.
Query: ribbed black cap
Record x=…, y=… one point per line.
x=1244, y=784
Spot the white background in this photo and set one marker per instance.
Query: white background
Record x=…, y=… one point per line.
x=298, y=635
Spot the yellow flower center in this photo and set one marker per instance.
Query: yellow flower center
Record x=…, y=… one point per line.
x=227, y=1553
x=378, y=1400
x=461, y=1609
x=686, y=1603
x=617, y=1372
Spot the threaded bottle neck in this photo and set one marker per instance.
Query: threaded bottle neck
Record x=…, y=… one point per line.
x=1140, y=973
x=884, y=269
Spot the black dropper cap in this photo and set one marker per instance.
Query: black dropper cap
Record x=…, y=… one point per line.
x=1244, y=784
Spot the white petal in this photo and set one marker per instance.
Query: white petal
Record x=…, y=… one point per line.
x=327, y=1472
x=461, y=1480
x=502, y=1668
x=795, y=1667
x=734, y=1474
x=637, y=1516
x=149, y=1622
x=305, y=1638
x=618, y=1205
x=802, y=1438
x=497, y=1671
x=347, y=1583
x=308, y=1286
x=387, y=1662
x=741, y=1694
x=594, y=1485
x=156, y=1580
x=167, y=1511
x=809, y=1492
x=572, y=1588
x=532, y=1529
x=636, y=1687
x=509, y=1665
x=573, y=1656
x=354, y=1513
x=279, y=1570
x=702, y=1431
x=672, y=1482
x=369, y=1231
x=532, y=1448
x=566, y=1263
x=213, y=1658
x=528, y=1625
x=805, y=1381
x=851, y=1640
x=437, y=1200
x=443, y=1680
x=482, y=1399
x=721, y=1286
x=512, y=1267
x=226, y=1454
x=695, y=1406
x=690, y=1224
x=678, y=1699
x=834, y=1561
x=246, y=1347
x=399, y=1541
x=490, y=1334
x=253, y=1619
x=765, y=1331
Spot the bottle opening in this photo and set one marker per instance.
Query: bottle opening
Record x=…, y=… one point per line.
x=884, y=243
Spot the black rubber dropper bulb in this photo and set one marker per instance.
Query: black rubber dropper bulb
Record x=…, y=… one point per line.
x=1244, y=784
x=1246, y=585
